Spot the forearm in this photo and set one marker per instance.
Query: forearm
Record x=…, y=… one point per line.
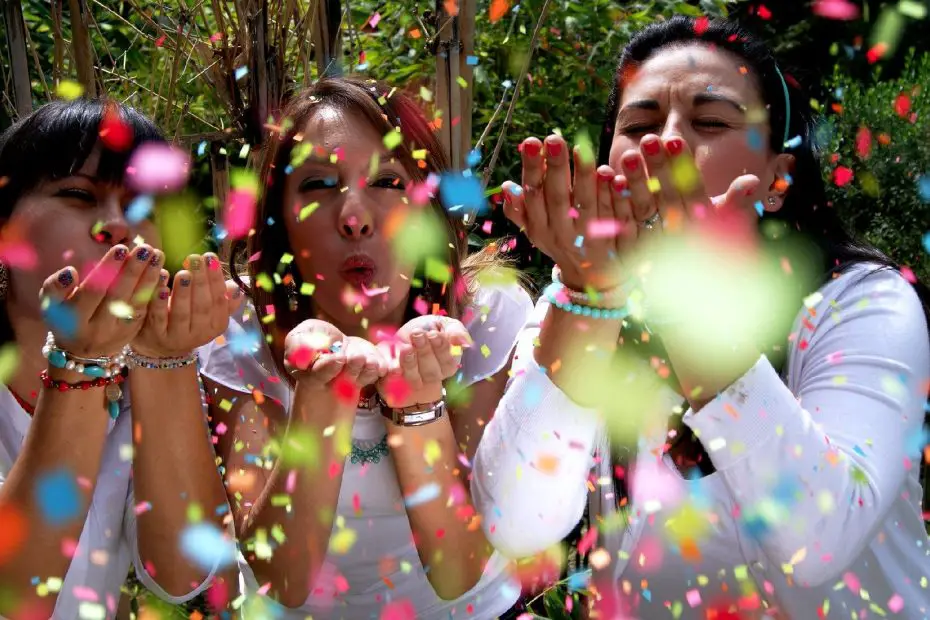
x=67, y=436
x=174, y=471
x=309, y=493
x=446, y=529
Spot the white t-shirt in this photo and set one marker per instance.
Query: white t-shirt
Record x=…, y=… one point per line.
x=383, y=566
x=814, y=507
x=100, y=564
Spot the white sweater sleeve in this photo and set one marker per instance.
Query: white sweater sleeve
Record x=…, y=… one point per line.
x=530, y=469
x=815, y=472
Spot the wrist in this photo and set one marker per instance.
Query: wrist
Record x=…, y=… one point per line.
x=429, y=393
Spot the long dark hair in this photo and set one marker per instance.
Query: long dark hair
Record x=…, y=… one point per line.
x=806, y=215
x=54, y=142
x=387, y=110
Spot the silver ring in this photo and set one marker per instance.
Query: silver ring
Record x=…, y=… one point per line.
x=651, y=222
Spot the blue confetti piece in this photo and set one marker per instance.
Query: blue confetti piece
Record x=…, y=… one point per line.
x=754, y=139
x=760, y=208
x=201, y=148
x=578, y=581
x=426, y=493
x=647, y=594
x=786, y=491
x=471, y=61
x=755, y=527
x=923, y=187
x=794, y=142
x=509, y=592
x=245, y=342
x=241, y=72
x=926, y=240
x=140, y=209
x=61, y=319
x=362, y=67
x=579, y=241
x=474, y=158
x=204, y=545
x=858, y=451
x=460, y=191
x=914, y=446
x=58, y=497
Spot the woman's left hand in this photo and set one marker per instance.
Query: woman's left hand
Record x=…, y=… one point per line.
x=427, y=351
x=191, y=314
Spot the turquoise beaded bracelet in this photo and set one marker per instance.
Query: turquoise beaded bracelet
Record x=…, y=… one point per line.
x=96, y=367
x=555, y=290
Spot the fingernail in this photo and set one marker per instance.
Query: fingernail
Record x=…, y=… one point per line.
x=164, y=294
x=674, y=145
x=531, y=148
x=553, y=148
x=156, y=259
x=195, y=263
x=185, y=281
x=432, y=335
x=605, y=176
x=631, y=163
x=515, y=190
x=143, y=255
x=409, y=357
x=651, y=147
x=120, y=254
x=620, y=184
x=212, y=263
x=65, y=278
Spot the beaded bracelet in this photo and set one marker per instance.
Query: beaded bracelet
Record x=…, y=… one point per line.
x=612, y=298
x=160, y=363
x=556, y=295
x=113, y=391
x=90, y=366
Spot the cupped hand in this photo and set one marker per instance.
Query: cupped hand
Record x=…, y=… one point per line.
x=100, y=314
x=191, y=314
x=320, y=356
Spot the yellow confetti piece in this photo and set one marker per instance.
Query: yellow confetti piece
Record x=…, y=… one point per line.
x=426, y=94
x=120, y=309
x=485, y=351
x=432, y=452
x=392, y=139
x=654, y=185
x=585, y=147
x=307, y=288
x=69, y=90
x=307, y=211
x=825, y=502
x=9, y=361
x=420, y=154
x=194, y=513
x=741, y=572
x=342, y=541
x=685, y=174
x=798, y=556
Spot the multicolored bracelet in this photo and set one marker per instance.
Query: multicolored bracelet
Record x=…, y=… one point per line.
x=556, y=294
x=90, y=366
x=113, y=391
x=612, y=298
x=160, y=363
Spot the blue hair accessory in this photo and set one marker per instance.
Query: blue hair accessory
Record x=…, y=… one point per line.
x=784, y=86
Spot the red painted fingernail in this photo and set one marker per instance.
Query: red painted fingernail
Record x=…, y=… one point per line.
x=163, y=295
x=553, y=148
x=605, y=176
x=531, y=148
x=651, y=147
x=631, y=163
x=508, y=197
x=674, y=145
x=620, y=184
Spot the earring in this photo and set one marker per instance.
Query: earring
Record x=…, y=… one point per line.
x=292, y=296
x=772, y=201
x=4, y=281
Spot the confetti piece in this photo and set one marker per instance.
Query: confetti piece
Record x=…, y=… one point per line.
x=9, y=362
x=241, y=72
x=342, y=541
x=842, y=176
x=120, y=309
x=693, y=597
x=69, y=90
x=424, y=494
x=604, y=229
x=181, y=229
x=498, y=9
x=895, y=604
x=835, y=9
x=58, y=497
x=392, y=139
x=432, y=452
x=140, y=208
x=158, y=168
x=912, y=9
x=114, y=133
x=206, y=546
x=462, y=192
x=19, y=254
x=13, y=529
x=398, y=610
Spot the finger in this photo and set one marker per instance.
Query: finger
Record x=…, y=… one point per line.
x=234, y=297
x=92, y=290
x=442, y=352
x=623, y=213
x=324, y=369
x=219, y=316
x=604, y=225
x=583, y=193
x=687, y=178
x=156, y=317
x=60, y=285
x=406, y=365
x=514, y=204
x=179, y=307
x=534, y=171
x=119, y=296
x=739, y=195
x=557, y=190
x=147, y=284
x=355, y=363
x=201, y=300
x=428, y=367
x=663, y=188
x=456, y=333
x=640, y=196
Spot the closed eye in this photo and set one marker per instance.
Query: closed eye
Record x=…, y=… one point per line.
x=77, y=194
x=389, y=181
x=317, y=184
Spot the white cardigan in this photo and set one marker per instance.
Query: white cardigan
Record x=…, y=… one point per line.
x=815, y=503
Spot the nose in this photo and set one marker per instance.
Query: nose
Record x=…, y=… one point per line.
x=355, y=221
x=114, y=228
x=675, y=125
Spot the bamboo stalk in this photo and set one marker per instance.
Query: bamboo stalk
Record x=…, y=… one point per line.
x=83, y=52
x=327, y=42
x=19, y=63
x=175, y=65
x=58, y=62
x=35, y=59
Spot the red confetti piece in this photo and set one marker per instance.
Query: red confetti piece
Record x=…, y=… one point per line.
x=13, y=527
x=842, y=175
x=764, y=12
x=399, y=610
x=499, y=9
x=114, y=133
x=239, y=213
x=345, y=390
x=876, y=52
x=396, y=388
x=700, y=25
x=835, y=9
x=587, y=541
x=902, y=105
x=864, y=142
x=160, y=41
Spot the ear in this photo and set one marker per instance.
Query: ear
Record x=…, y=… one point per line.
x=779, y=171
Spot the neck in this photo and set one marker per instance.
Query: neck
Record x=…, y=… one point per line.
x=29, y=338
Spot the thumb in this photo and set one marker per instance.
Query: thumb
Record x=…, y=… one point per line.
x=739, y=194
x=234, y=297
x=457, y=333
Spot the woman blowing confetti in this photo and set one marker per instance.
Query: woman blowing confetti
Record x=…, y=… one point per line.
x=67, y=514
x=788, y=483
x=365, y=513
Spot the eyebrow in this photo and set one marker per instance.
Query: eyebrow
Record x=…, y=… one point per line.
x=699, y=100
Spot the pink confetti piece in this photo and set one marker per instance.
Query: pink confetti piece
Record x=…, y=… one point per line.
x=68, y=547
x=587, y=541
x=604, y=229
x=83, y=593
x=852, y=582
x=486, y=227
x=20, y=255
x=835, y=357
x=375, y=19
x=356, y=503
x=398, y=610
x=908, y=275
x=835, y=9
x=156, y=168
x=374, y=292
x=573, y=213
x=264, y=589
x=221, y=428
x=239, y=212
x=693, y=597
x=420, y=306
x=142, y=507
x=291, y=482
x=895, y=604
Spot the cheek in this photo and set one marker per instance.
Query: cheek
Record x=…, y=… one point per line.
x=723, y=161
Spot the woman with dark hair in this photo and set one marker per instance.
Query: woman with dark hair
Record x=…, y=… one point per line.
x=67, y=510
x=786, y=484
x=363, y=304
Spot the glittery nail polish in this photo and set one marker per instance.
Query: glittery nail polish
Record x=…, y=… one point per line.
x=185, y=281
x=163, y=295
x=143, y=255
x=65, y=278
x=195, y=263
x=120, y=254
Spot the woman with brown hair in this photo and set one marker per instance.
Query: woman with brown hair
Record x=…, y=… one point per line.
x=366, y=510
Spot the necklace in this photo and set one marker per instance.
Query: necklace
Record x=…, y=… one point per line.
x=29, y=409
x=373, y=454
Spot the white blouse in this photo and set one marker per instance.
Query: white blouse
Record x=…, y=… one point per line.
x=814, y=508
x=91, y=587
x=382, y=568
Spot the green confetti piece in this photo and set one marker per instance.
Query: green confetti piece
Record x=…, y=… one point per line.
x=485, y=351
x=307, y=288
x=300, y=154
x=912, y=9
x=277, y=532
x=462, y=81
x=741, y=572
x=585, y=147
x=9, y=361
x=263, y=282
x=194, y=513
x=120, y=309
x=287, y=258
x=69, y=90
x=301, y=448
x=392, y=139
x=437, y=270
x=307, y=211
x=280, y=499
x=244, y=179
x=181, y=227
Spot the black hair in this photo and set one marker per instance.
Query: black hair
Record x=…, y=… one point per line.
x=806, y=216
x=54, y=142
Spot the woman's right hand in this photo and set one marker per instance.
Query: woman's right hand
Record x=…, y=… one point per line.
x=320, y=356
x=99, y=315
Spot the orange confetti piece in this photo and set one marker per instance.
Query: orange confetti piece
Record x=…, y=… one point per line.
x=690, y=551
x=547, y=463
x=498, y=9
x=258, y=397
x=415, y=33
x=451, y=7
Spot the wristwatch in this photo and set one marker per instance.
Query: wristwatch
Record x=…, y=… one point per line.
x=419, y=414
